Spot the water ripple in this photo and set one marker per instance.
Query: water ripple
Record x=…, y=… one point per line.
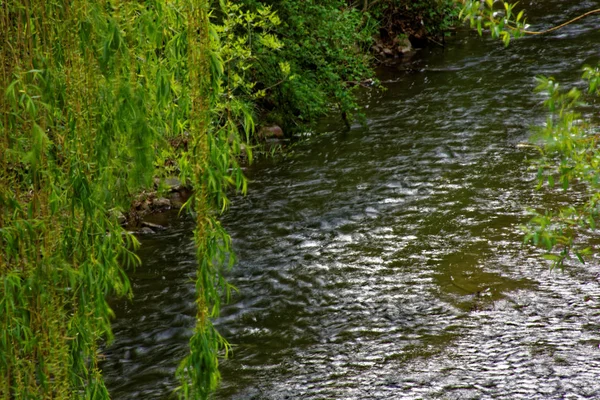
x=386, y=262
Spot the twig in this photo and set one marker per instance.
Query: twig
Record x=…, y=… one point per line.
x=563, y=24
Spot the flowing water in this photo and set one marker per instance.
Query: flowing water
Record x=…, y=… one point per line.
x=386, y=262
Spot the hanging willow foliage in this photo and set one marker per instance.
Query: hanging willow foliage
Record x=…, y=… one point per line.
x=212, y=166
x=92, y=92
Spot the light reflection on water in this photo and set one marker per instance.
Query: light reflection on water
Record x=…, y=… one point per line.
x=386, y=262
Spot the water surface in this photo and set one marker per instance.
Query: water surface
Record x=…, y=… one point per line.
x=385, y=262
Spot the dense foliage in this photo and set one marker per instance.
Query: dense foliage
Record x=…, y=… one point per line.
x=318, y=52
x=421, y=19
x=305, y=63
x=92, y=92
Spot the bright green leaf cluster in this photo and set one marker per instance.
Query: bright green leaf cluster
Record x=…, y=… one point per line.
x=569, y=155
x=498, y=17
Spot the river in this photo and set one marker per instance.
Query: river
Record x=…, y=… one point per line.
x=386, y=262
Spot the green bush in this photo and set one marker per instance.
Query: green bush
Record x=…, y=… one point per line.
x=322, y=58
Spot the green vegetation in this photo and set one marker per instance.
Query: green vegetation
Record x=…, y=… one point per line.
x=93, y=93
x=422, y=19
x=568, y=142
x=98, y=97
x=309, y=61
x=303, y=61
x=569, y=156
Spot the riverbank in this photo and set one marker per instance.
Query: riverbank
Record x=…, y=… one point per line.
x=170, y=193
x=402, y=32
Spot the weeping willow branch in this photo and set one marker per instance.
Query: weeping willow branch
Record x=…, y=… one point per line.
x=213, y=168
x=199, y=372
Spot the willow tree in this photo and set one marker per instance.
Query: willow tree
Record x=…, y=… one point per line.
x=92, y=92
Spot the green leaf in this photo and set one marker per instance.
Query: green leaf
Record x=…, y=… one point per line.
x=551, y=257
